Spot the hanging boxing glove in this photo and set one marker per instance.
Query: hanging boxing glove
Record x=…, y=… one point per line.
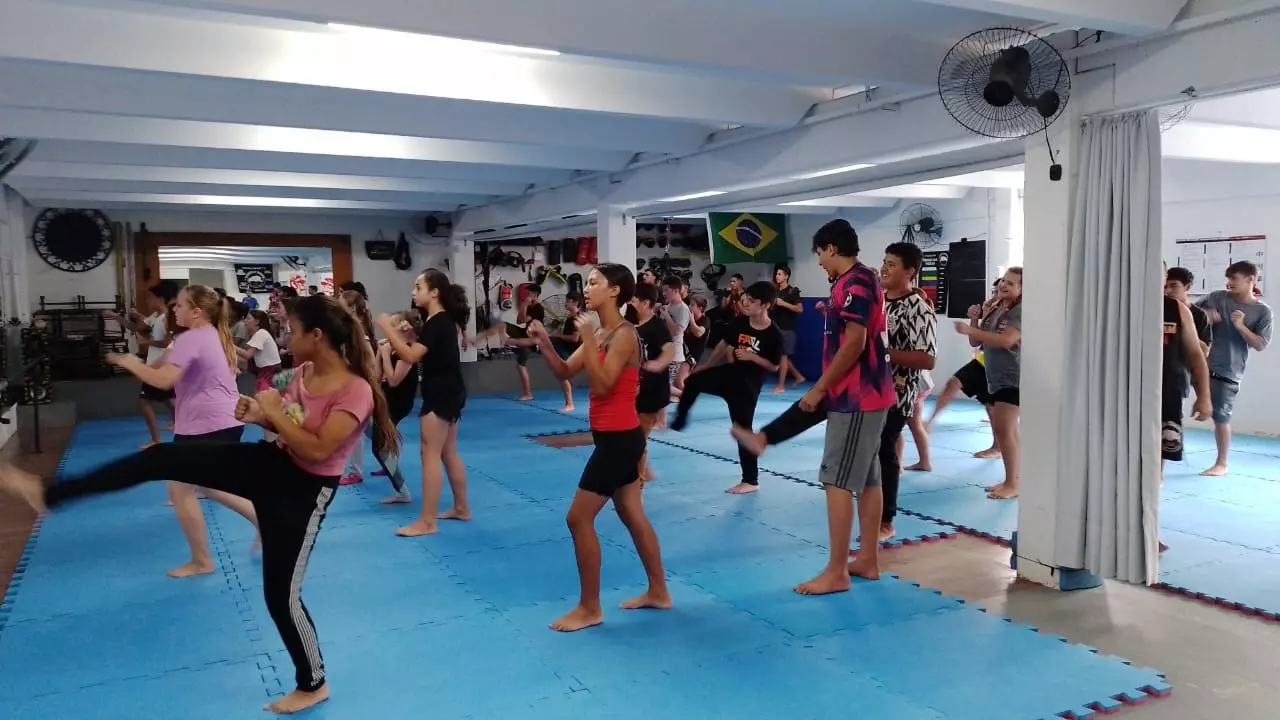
x=592, y=256
x=401, y=258
x=583, y=251
x=553, y=252
x=568, y=250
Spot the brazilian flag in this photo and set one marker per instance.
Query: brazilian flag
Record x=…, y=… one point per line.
x=747, y=238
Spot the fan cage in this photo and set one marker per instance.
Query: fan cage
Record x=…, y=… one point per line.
x=966, y=70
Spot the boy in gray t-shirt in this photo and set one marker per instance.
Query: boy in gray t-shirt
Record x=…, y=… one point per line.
x=1241, y=323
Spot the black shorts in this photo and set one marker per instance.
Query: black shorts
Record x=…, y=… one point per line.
x=155, y=394
x=231, y=434
x=1171, y=427
x=447, y=409
x=1007, y=396
x=615, y=462
x=973, y=381
x=652, y=402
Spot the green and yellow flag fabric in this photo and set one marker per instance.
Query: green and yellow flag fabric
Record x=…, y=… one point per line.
x=747, y=238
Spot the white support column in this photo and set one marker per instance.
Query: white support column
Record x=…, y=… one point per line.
x=462, y=263
x=616, y=237
x=14, y=244
x=1046, y=349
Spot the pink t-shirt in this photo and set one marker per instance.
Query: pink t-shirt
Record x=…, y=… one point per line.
x=206, y=389
x=355, y=398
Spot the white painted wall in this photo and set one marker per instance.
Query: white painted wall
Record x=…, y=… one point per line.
x=1208, y=199
x=389, y=288
x=983, y=214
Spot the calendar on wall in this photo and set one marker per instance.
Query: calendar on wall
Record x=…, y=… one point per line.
x=1209, y=259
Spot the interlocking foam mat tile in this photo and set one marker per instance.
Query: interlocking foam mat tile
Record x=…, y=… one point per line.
x=93, y=628
x=1231, y=513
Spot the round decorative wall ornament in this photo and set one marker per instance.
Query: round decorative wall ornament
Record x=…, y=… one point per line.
x=73, y=240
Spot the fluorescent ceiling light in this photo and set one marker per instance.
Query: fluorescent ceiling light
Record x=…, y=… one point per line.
x=693, y=196
x=442, y=42
x=832, y=171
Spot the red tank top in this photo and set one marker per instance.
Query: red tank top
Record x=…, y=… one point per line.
x=616, y=411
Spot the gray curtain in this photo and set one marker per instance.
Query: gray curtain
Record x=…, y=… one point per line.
x=1111, y=408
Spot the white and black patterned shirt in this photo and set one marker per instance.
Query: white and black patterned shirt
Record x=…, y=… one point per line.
x=912, y=326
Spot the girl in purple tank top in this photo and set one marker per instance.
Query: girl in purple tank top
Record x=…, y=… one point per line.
x=200, y=367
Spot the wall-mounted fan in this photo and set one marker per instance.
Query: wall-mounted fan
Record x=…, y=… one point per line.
x=1005, y=83
x=921, y=225
x=12, y=152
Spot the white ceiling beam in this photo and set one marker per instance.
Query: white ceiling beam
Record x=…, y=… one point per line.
x=1205, y=57
x=38, y=170
x=913, y=129
x=399, y=64
x=207, y=202
x=112, y=91
x=1129, y=17
x=53, y=124
x=675, y=33
x=427, y=201
x=171, y=156
x=886, y=197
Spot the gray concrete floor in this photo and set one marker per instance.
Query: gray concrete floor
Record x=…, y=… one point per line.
x=1223, y=665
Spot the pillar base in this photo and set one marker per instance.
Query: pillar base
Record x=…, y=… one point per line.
x=1056, y=578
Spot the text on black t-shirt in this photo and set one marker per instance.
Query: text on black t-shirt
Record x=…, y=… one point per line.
x=766, y=342
x=654, y=334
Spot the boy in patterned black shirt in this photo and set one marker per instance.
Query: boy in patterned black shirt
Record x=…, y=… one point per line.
x=913, y=347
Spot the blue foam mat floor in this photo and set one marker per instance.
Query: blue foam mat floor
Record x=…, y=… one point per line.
x=1223, y=533
x=91, y=627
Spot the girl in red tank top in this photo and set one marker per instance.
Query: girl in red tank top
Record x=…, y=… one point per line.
x=610, y=357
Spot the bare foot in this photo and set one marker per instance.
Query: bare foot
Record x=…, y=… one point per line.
x=567, y=409
x=144, y=446
x=1002, y=492
x=24, y=486
x=887, y=532
x=169, y=427
x=577, y=619
x=455, y=514
x=396, y=499
x=524, y=398
x=864, y=570
x=1218, y=470
x=799, y=382
x=825, y=584
x=988, y=454
x=191, y=569
x=1163, y=547
x=743, y=489
x=754, y=442
x=779, y=389
x=417, y=528
x=919, y=467
x=168, y=503
x=298, y=700
x=651, y=600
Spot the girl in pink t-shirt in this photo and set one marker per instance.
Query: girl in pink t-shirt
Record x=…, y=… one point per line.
x=199, y=366
x=319, y=417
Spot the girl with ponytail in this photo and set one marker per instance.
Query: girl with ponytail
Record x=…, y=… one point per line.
x=355, y=303
x=200, y=367
x=445, y=316
x=318, y=417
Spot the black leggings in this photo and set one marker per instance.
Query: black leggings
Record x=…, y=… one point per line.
x=724, y=381
x=290, y=503
x=795, y=420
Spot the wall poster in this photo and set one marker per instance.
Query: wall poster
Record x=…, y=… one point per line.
x=1209, y=258
x=933, y=279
